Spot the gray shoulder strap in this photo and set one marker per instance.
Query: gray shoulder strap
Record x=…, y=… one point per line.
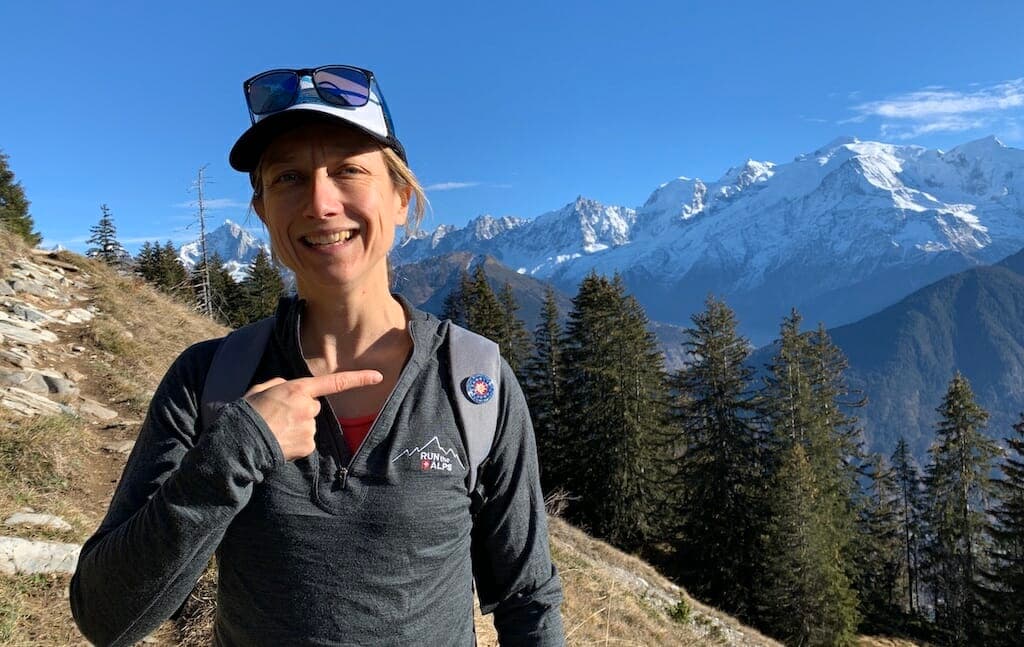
x=233, y=366
x=472, y=356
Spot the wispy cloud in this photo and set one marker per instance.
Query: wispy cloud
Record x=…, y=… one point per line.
x=157, y=238
x=214, y=204
x=453, y=186
x=953, y=124
x=937, y=109
x=64, y=242
x=450, y=186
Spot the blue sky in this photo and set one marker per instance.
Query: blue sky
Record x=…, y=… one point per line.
x=505, y=108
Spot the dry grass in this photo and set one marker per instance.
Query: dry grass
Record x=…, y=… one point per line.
x=194, y=626
x=12, y=247
x=615, y=598
x=137, y=334
x=883, y=641
x=34, y=611
x=39, y=461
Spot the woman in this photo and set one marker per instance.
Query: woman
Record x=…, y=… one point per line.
x=327, y=527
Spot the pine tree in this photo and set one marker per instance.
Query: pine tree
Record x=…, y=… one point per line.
x=878, y=548
x=804, y=594
x=1006, y=574
x=173, y=277
x=146, y=262
x=483, y=312
x=908, y=510
x=455, y=303
x=545, y=389
x=261, y=289
x=513, y=338
x=836, y=448
x=721, y=472
x=226, y=295
x=14, y=215
x=615, y=387
x=785, y=399
x=159, y=266
x=958, y=491
x=104, y=240
x=802, y=403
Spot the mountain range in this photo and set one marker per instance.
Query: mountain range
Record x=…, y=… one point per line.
x=838, y=233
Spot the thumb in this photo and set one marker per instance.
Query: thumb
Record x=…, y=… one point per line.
x=263, y=386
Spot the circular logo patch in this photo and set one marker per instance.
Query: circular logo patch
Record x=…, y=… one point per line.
x=479, y=388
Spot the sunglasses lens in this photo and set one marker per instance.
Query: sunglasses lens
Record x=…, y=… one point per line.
x=343, y=86
x=272, y=92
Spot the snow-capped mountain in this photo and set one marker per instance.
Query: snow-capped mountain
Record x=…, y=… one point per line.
x=235, y=246
x=838, y=233
x=535, y=246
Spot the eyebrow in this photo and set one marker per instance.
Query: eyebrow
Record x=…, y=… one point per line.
x=274, y=157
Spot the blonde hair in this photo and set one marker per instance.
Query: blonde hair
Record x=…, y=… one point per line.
x=404, y=178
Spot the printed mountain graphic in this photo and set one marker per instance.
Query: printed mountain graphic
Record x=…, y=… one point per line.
x=433, y=441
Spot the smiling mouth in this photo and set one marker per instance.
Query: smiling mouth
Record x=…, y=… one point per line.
x=330, y=238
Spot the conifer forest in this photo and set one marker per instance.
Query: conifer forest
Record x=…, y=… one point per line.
x=750, y=485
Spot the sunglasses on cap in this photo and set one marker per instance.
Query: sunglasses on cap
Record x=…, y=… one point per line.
x=279, y=99
x=344, y=86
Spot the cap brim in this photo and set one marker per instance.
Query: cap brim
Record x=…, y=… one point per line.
x=245, y=154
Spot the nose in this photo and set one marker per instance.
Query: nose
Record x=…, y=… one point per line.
x=325, y=197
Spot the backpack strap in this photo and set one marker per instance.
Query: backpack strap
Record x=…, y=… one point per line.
x=476, y=370
x=234, y=364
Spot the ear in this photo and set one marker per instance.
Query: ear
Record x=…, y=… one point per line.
x=405, y=196
x=257, y=206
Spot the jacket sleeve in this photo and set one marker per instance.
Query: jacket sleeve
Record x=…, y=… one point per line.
x=179, y=492
x=515, y=577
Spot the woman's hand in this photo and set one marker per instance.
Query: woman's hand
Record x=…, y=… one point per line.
x=290, y=407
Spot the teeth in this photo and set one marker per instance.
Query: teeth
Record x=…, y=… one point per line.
x=327, y=239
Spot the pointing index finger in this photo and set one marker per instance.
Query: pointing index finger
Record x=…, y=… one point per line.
x=321, y=385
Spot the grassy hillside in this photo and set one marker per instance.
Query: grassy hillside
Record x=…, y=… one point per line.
x=68, y=465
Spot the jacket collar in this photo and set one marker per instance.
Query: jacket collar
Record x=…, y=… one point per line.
x=424, y=328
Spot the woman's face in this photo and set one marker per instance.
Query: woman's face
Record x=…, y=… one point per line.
x=330, y=206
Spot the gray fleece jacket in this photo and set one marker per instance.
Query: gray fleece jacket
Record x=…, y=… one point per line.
x=375, y=548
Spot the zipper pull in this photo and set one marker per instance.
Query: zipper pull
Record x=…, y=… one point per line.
x=342, y=476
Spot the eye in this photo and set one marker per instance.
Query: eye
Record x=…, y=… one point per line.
x=285, y=177
x=350, y=169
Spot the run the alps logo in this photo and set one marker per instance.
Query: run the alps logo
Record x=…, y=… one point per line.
x=432, y=457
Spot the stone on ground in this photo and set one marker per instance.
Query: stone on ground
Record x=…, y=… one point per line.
x=23, y=557
x=36, y=519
